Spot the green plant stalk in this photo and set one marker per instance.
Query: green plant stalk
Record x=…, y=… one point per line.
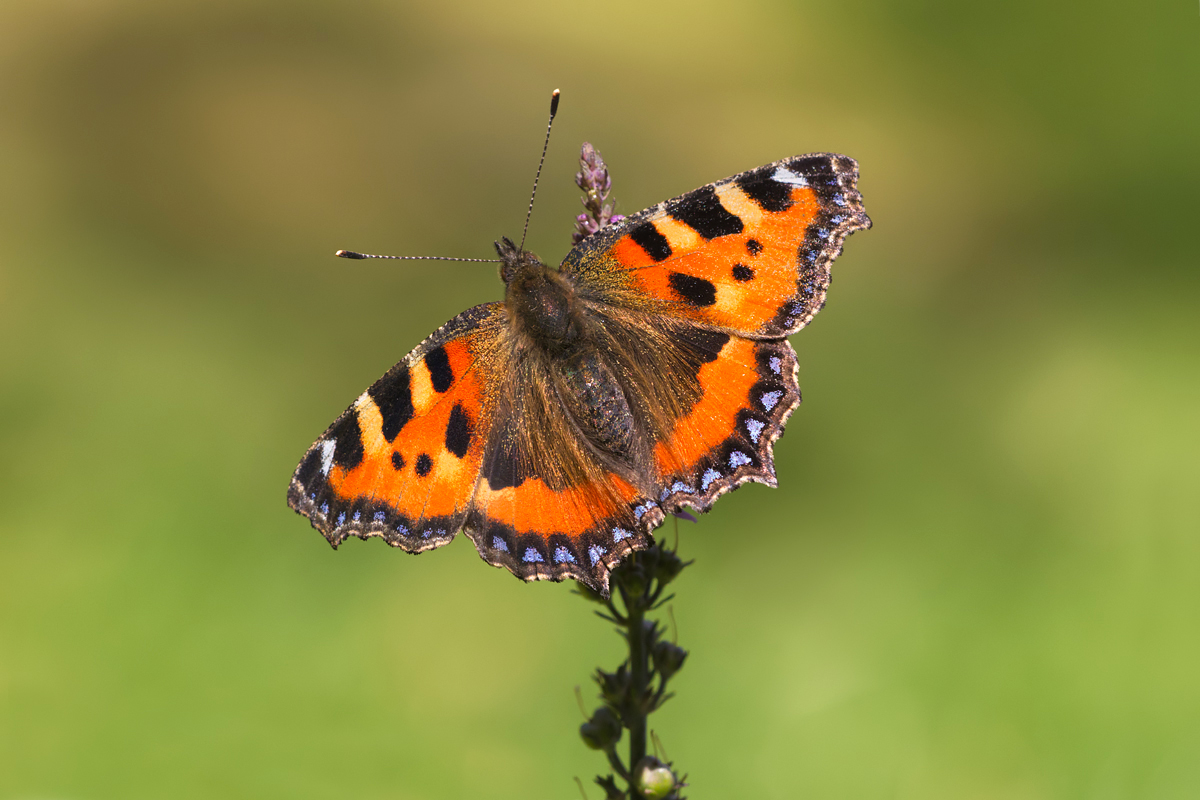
x=639, y=658
x=638, y=687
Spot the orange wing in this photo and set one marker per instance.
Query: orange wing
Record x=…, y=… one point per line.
x=748, y=391
x=548, y=505
x=749, y=254
x=543, y=533
x=527, y=518
x=403, y=461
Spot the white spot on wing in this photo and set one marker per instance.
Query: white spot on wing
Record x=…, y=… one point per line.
x=785, y=175
x=327, y=448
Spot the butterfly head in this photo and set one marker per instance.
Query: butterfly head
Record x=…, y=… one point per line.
x=540, y=301
x=515, y=261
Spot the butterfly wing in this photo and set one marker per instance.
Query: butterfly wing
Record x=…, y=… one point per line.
x=747, y=391
x=403, y=461
x=709, y=284
x=549, y=504
x=749, y=254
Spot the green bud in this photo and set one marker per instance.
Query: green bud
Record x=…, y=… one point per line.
x=668, y=658
x=669, y=566
x=653, y=779
x=634, y=581
x=602, y=731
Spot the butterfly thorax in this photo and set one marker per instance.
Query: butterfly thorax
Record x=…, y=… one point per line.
x=557, y=340
x=541, y=302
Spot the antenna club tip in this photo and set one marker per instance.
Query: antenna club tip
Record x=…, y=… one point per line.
x=554, y=103
x=348, y=254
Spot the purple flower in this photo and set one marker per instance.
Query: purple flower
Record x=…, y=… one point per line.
x=596, y=183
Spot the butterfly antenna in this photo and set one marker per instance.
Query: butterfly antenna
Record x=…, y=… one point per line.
x=545, y=145
x=352, y=254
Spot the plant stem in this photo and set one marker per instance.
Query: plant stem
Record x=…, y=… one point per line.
x=639, y=657
x=629, y=693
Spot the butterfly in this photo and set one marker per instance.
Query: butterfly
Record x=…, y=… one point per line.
x=649, y=373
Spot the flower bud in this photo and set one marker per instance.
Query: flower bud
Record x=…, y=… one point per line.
x=653, y=779
x=668, y=658
x=669, y=566
x=614, y=686
x=602, y=731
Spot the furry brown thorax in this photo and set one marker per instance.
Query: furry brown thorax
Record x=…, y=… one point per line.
x=540, y=300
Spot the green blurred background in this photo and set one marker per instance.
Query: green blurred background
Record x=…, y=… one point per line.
x=981, y=575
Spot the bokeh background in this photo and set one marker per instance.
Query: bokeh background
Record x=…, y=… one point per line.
x=980, y=577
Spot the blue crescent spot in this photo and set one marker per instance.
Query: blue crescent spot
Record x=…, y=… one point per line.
x=531, y=555
x=755, y=428
x=379, y=516
x=708, y=477
x=737, y=459
x=769, y=399
x=620, y=533
x=324, y=508
x=357, y=516
x=837, y=219
x=341, y=518
x=838, y=200
x=680, y=486
x=594, y=553
x=499, y=544
x=776, y=362
x=562, y=555
x=401, y=529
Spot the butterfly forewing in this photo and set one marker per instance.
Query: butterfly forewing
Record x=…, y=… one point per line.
x=749, y=254
x=403, y=461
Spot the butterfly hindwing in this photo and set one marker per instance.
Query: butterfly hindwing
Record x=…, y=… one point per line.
x=748, y=390
x=749, y=254
x=553, y=502
x=403, y=461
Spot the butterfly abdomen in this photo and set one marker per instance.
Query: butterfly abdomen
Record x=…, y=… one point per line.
x=597, y=403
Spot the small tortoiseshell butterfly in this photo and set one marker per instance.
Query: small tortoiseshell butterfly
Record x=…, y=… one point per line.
x=648, y=373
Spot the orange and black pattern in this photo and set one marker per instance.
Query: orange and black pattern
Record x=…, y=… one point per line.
x=648, y=374
x=402, y=462
x=749, y=254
